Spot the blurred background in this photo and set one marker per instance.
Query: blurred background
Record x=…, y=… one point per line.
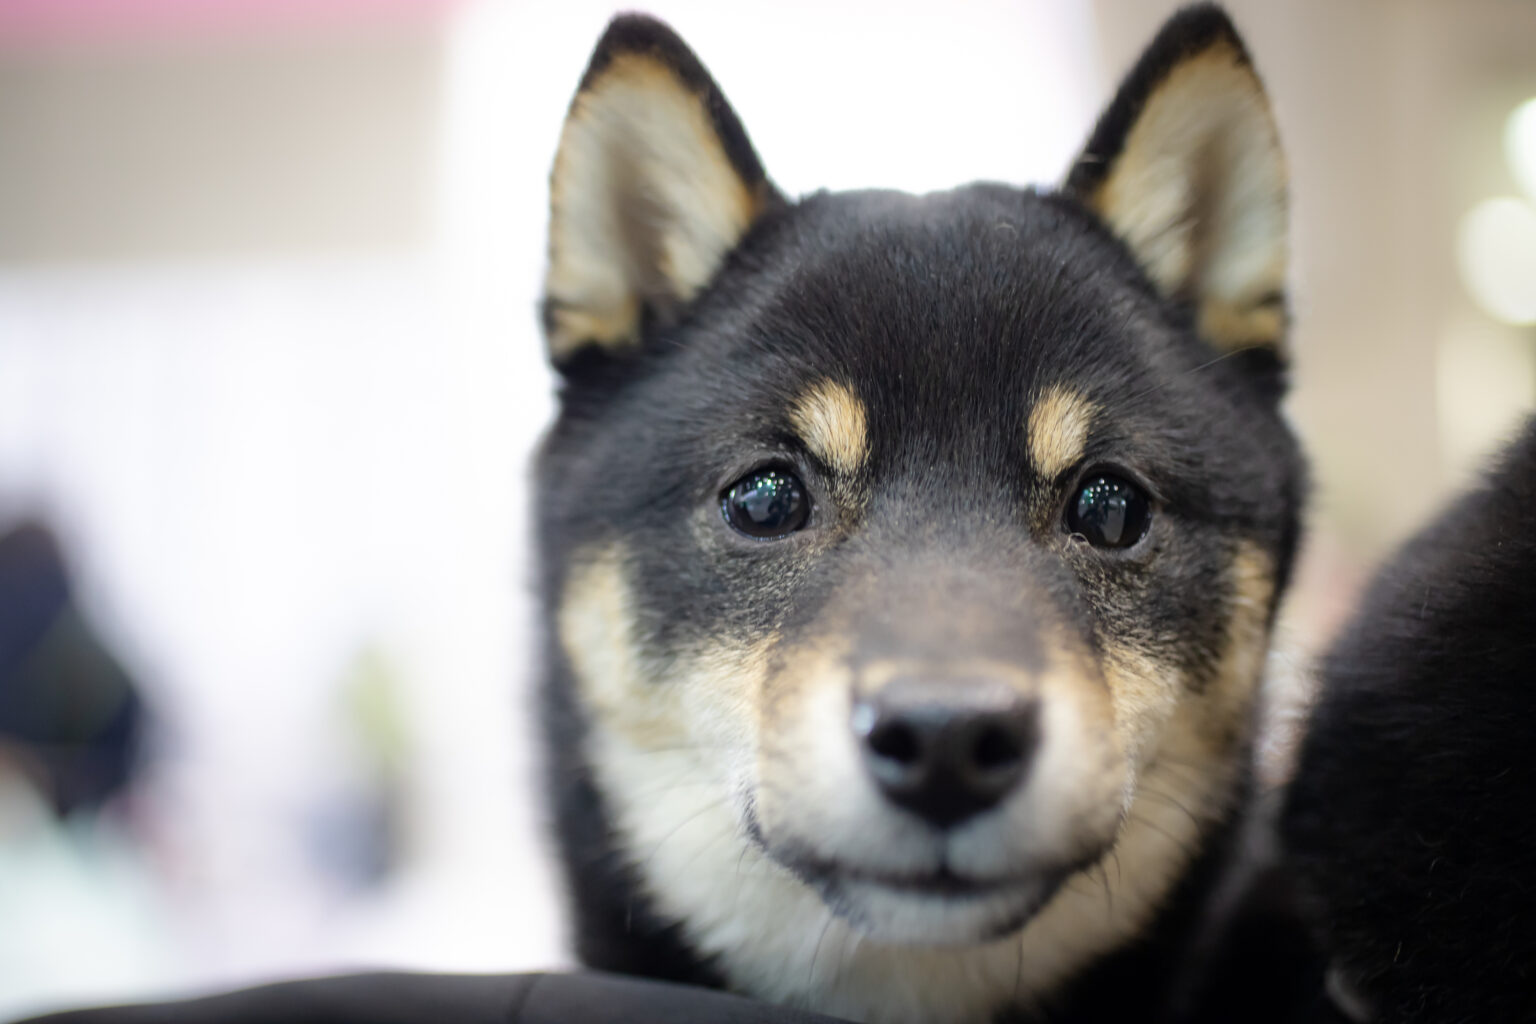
x=270, y=376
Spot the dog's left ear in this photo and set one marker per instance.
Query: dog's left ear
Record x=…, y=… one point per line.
x=1185, y=167
x=654, y=184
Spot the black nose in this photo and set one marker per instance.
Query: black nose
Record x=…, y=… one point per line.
x=947, y=750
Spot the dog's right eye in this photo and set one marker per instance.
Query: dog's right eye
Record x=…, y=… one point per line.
x=766, y=504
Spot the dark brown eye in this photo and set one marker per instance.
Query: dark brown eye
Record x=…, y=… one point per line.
x=767, y=504
x=1110, y=511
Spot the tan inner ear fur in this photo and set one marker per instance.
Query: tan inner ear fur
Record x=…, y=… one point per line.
x=1199, y=194
x=645, y=204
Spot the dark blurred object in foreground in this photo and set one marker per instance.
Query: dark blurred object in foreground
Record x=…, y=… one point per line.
x=1410, y=816
x=586, y=998
x=70, y=717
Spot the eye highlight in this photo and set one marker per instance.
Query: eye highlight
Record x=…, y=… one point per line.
x=766, y=504
x=1109, y=511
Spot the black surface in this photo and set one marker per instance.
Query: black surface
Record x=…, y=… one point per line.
x=462, y=999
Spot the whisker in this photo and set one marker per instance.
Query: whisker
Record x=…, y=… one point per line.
x=1192, y=371
x=712, y=805
x=681, y=748
x=1183, y=846
x=725, y=833
x=815, y=954
x=1109, y=893
x=1171, y=801
x=842, y=952
x=1018, y=970
x=746, y=848
x=672, y=787
x=1198, y=768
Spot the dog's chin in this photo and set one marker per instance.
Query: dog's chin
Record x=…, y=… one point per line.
x=939, y=911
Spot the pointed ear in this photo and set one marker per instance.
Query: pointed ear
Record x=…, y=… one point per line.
x=654, y=184
x=1185, y=167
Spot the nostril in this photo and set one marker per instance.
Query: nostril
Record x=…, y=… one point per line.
x=997, y=748
x=896, y=741
x=945, y=751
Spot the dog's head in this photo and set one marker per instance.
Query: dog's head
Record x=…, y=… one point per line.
x=931, y=542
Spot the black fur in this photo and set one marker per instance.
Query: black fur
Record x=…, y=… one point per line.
x=1230, y=945
x=1410, y=817
x=614, y=926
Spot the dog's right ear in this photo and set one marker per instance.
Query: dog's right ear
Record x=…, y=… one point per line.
x=654, y=184
x=1185, y=167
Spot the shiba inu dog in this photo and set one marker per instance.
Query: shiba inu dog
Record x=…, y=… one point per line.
x=910, y=562
x=1408, y=819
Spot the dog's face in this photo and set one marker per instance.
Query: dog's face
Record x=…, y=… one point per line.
x=917, y=553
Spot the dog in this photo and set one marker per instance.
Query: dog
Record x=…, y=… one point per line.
x=1407, y=819
x=909, y=563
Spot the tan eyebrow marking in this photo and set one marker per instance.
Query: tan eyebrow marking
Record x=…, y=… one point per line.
x=1058, y=430
x=830, y=420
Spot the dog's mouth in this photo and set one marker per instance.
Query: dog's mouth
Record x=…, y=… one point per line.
x=928, y=907
x=941, y=883
x=939, y=908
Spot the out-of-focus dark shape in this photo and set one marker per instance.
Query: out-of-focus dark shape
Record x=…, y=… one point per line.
x=358, y=835
x=70, y=717
x=584, y=997
x=1409, y=818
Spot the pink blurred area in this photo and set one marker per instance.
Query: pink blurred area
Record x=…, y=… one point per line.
x=42, y=22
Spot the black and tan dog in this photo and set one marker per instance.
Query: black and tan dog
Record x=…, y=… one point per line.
x=910, y=562
x=1409, y=821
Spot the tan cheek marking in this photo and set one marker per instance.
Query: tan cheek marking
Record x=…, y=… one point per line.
x=1233, y=692
x=1148, y=694
x=723, y=693
x=1144, y=694
x=831, y=421
x=596, y=624
x=1058, y=430
x=707, y=698
x=793, y=703
x=1083, y=767
x=809, y=665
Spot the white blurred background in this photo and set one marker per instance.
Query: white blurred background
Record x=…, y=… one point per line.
x=269, y=370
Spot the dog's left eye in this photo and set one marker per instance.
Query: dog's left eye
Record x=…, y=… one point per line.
x=1110, y=511
x=766, y=504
